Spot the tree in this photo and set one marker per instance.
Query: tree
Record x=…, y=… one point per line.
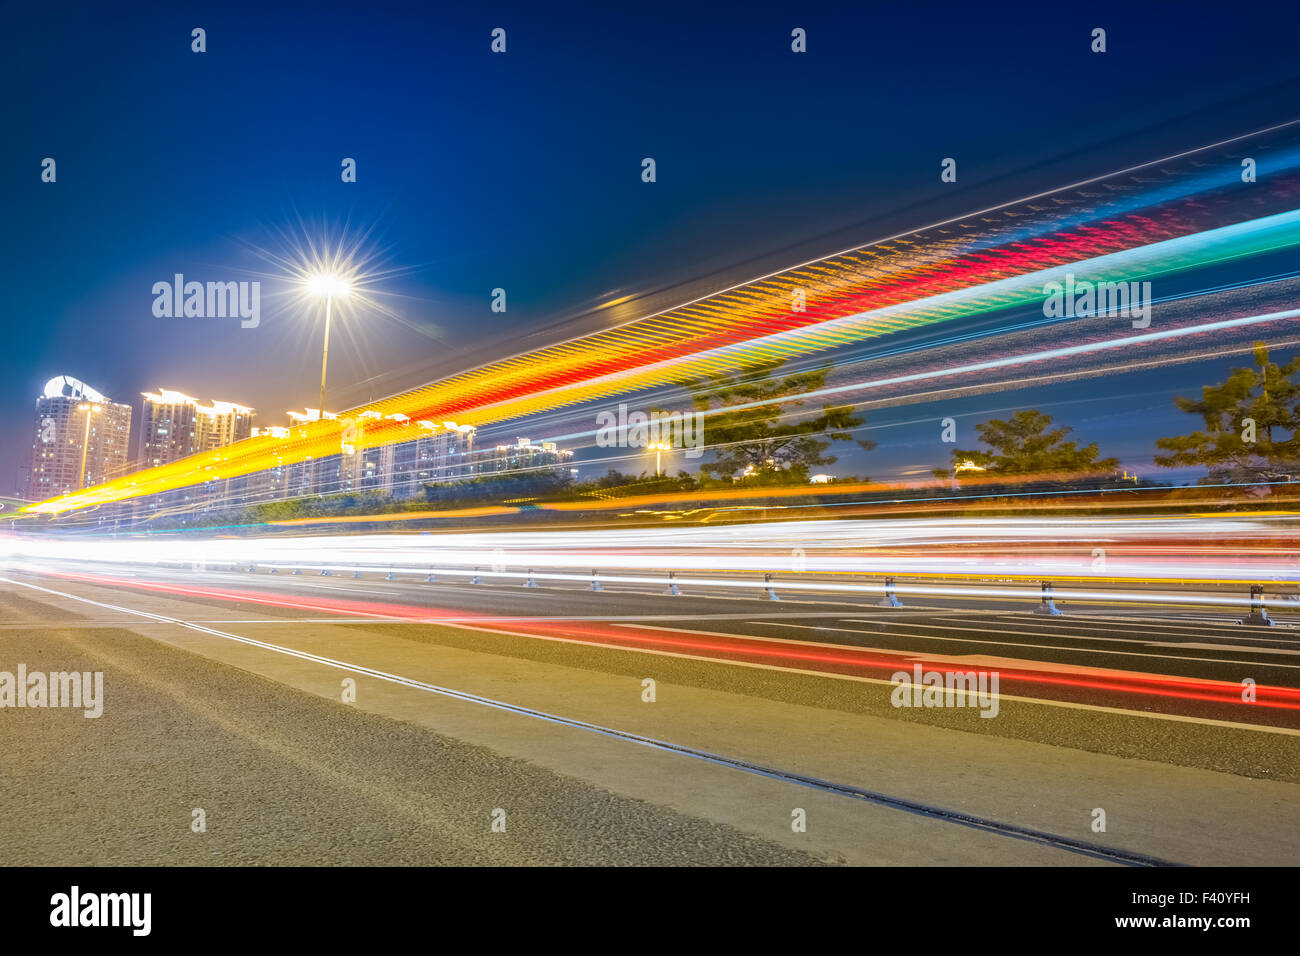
x=1250, y=429
x=765, y=439
x=1025, y=446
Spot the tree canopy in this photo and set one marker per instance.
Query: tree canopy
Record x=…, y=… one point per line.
x=760, y=430
x=1250, y=424
x=1025, y=445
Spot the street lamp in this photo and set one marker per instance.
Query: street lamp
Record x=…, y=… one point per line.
x=85, y=438
x=329, y=286
x=658, y=448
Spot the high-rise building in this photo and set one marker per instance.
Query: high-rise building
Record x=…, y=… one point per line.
x=221, y=424
x=320, y=475
x=415, y=453
x=525, y=456
x=81, y=438
x=441, y=452
x=175, y=426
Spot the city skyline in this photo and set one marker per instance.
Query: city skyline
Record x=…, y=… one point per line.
x=437, y=312
x=599, y=439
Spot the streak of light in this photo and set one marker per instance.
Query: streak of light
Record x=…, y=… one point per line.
x=930, y=277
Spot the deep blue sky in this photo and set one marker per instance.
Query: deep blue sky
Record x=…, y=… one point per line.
x=522, y=171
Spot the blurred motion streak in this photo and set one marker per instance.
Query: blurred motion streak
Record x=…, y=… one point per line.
x=1162, y=218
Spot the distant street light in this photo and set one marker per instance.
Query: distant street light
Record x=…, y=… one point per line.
x=659, y=448
x=89, y=409
x=328, y=286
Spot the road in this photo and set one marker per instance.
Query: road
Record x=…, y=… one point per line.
x=225, y=688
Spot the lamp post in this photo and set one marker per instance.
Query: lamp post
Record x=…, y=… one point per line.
x=658, y=448
x=328, y=286
x=89, y=409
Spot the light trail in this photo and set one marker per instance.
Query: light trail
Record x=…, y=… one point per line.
x=1213, y=549
x=933, y=276
x=838, y=659
x=1071, y=351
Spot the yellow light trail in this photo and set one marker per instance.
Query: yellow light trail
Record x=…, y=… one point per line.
x=851, y=297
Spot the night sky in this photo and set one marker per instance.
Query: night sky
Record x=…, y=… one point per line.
x=523, y=171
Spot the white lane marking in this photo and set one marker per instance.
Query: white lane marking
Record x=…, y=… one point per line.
x=1008, y=662
x=480, y=626
x=430, y=586
x=615, y=587
x=1232, y=647
x=544, y=618
x=1092, y=611
x=1039, y=647
x=1091, y=627
x=1044, y=702
x=338, y=587
x=909, y=611
x=1040, y=701
x=892, y=615
x=963, y=659
x=1148, y=639
x=495, y=619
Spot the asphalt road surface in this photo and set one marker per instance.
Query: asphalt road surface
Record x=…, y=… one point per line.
x=769, y=733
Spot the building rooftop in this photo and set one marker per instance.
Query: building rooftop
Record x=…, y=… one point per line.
x=65, y=386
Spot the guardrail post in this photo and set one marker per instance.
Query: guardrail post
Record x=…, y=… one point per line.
x=1258, y=615
x=890, y=599
x=771, y=592
x=1049, y=603
x=595, y=580
x=477, y=579
x=532, y=581
x=673, y=589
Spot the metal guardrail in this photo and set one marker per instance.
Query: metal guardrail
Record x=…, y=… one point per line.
x=1048, y=595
